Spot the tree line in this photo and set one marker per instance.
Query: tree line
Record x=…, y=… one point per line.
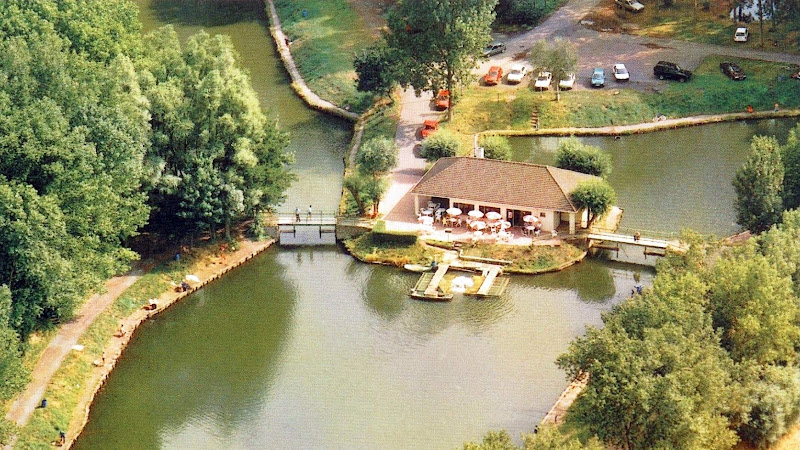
x=103, y=133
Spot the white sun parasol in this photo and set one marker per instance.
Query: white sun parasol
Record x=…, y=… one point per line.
x=427, y=220
x=493, y=215
x=478, y=225
x=475, y=213
x=530, y=218
x=504, y=225
x=454, y=211
x=477, y=233
x=194, y=278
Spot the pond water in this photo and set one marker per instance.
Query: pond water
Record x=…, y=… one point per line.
x=308, y=348
x=674, y=179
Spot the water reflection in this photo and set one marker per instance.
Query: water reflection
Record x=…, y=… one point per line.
x=207, y=13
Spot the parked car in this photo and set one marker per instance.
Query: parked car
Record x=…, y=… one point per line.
x=630, y=5
x=666, y=69
x=543, y=81
x=598, y=77
x=568, y=82
x=443, y=99
x=517, y=73
x=621, y=72
x=732, y=70
x=494, y=76
x=429, y=127
x=741, y=35
x=494, y=48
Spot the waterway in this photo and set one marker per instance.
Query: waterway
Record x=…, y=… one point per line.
x=675, y=179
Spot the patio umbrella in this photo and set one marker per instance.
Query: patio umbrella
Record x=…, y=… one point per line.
x=478, y=225
x=477, y=233
x=453, y=211
x=475, y=213
x=505, y=225
x=493, y=215
x=530, y=218
x=427, y=220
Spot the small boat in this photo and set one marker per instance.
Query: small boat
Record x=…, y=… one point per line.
x=439, y=297
x=417, y=268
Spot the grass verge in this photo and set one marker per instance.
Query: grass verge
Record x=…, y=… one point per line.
x=325, y=35
x=69, y=382
x=526, y=259
x=365, y=249
x=709, y=92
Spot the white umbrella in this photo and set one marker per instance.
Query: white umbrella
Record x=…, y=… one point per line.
x=530, y=218
x=477, y=233
x=427, y=220
x=478, y=225
x=505, y=225
x=493, y=215
x=454, y=211
x=475, y=213
x=194, y=278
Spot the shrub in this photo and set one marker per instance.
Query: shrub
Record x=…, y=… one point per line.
x=440, y=145
x=574, y=155
x=496, y=147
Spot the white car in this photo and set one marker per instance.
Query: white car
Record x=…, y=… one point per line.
x=517, y=73
x=568, y=82
x=543, y=80
x=741, y=35
x=621, y=72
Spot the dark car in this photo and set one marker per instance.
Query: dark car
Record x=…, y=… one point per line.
x=494, y=48
x=665, y=69
x=732, y=70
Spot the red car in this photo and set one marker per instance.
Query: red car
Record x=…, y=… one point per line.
x=494, y=76
x=429, y=127
x=443, y=99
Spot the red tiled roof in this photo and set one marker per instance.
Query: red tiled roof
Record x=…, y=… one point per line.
x=510, y=183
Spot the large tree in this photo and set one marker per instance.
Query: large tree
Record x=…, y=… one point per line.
x=596, y=195
x=791, y=169
x=759, y=186
x=215, y=157
x=559, y=57
x=375, y=158
x=574, y=155
x=438, y=42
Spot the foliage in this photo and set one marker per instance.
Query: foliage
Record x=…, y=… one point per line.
x=545, y=438
x=597, y=196
x=791, y=169
x=12, y=373
x=776, y=405
x=524, y=12
x=574, y=155
x=356, y=185
x=375, y=69
x=560, y=57
x=496, y=147
x=437, y=43
x=526, y=259
x=215, y=157
x=376, y=157
x=780, y=246
x=441, y=144
x=366, y=249
x=758, y=185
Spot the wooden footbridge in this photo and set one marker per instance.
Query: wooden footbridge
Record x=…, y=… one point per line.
x=289, y=223
x=612, y=241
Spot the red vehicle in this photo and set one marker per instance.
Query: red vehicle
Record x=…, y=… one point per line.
x=429, y=127
x=443, y=99
x=494, y=76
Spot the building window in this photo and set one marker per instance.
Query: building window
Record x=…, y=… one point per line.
x=542, y=214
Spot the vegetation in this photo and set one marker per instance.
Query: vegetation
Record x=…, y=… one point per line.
x=559, y=57
x=324, y=49
x=526, y=259
x=374, y=159
x=375, y=69
x=790, y=157
x=574, y=155
x=677, y=350
x=441, y=144
x=496, y=147
x=759, y=185
x=365, y=248
x=597, y=196
x=546, y=438
x=436, y=44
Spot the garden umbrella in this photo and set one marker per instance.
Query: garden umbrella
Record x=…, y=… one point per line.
x=454, y=211
x=493, y=215
x=530, y=218
x=475, y=213
x=478, y=225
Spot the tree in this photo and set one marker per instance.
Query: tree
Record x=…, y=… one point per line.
x=375, y=158
x=574, y=155
x=12, y=373
x=437, y=42
x=597, y=196
x=790, y=155
x=496, y=147
x=357, y=186
x=758, y=185
x=375, y=69
x=439, y=145
x=560, y=58
x=781, y=247
x=215, y=158
x=775, y=397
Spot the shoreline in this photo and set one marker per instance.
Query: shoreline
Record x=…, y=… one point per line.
x=117, y=343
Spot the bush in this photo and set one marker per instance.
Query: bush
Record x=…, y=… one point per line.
x=440, y=145
x=496, y=147
x=382, y=237
x=574, y=155
x=775, y=406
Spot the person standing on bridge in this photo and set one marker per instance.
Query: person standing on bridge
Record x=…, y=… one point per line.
x=636, y=236
x=309, y=212
x=297, y=214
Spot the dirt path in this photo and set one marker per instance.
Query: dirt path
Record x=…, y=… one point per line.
x=21, y=410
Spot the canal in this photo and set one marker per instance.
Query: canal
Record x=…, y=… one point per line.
x=307, y=348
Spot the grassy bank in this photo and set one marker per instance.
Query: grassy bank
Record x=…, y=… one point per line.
x=69, y=383
x=709, y=92
x=325, y=35
x=527, y=259
x=365, y=249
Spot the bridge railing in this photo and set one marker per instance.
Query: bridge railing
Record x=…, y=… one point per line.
x=652, y=234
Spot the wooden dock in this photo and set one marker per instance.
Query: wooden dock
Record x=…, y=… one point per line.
x=433, y=287
x=488, y=281
x=427, y=287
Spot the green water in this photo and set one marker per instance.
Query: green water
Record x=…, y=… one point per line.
x=673, y=179
x=311, y=349
x=318, y=141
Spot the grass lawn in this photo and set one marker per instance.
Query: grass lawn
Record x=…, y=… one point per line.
x=526, y=259
x=709, y=92
x=384, y=122
x=363, y=248
x=324, y=43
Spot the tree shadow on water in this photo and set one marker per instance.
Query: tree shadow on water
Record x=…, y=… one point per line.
x=208, y=13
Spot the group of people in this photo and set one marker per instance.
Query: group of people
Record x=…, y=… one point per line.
x=297, y=213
